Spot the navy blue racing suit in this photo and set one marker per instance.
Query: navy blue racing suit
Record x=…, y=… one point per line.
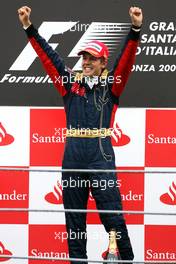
x=90, y=108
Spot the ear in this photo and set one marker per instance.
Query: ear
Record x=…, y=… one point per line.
x=104, y=63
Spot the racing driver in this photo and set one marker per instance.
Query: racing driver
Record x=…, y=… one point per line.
x=90, y=101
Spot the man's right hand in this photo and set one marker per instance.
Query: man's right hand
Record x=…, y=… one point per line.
x=24, y=14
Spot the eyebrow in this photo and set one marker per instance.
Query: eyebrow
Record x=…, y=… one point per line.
x=90, y=56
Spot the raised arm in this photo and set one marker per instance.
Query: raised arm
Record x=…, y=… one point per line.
x=125, y=60
x=50, y=59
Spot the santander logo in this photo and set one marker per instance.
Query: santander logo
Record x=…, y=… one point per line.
x=5, y=138
x=169, y=197
x=118, y=138
x=55, y=197
x=4, y=251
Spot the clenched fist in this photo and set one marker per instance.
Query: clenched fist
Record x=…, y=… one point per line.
x=136, y=16
x=24, y=14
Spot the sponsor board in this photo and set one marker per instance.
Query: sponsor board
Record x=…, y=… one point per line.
x=160, y=195
x=160, y=138
x=47, y=241
x=131, y=186
x=13, y=242
x=14, y=136
x=160, y=243
x=4, y=251
x=47, y=137
x=45, y=192
x=132, y=124
x=14, y=193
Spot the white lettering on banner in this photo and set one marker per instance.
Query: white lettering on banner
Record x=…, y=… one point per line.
x=160, y=35
x=162, y=26
x=166, y=38
x=152, y=139
x=143, y=68
x=25, y=79
x=36, y=138
x=131, y=196
x=13, y=196
x=51, y=254
x=160, y=255
x=154, y=51
x=47, y=30
x=154, y=68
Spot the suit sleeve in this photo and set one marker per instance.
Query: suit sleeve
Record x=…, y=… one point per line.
x=124, y=63
x=51, y=61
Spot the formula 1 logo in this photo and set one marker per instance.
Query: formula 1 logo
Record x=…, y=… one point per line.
x=95, y=30
x=5, y=138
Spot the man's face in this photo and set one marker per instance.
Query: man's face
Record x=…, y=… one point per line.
x=91, y=65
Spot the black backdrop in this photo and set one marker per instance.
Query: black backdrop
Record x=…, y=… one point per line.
x=154, y=88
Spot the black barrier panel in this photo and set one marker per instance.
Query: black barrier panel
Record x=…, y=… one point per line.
x=152, y=83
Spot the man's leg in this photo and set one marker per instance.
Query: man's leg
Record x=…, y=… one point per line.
x=75, y=196
x=107, y=197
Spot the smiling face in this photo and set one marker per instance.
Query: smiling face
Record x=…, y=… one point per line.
x=92, y=66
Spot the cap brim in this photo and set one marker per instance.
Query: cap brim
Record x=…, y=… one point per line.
x=92, y=52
